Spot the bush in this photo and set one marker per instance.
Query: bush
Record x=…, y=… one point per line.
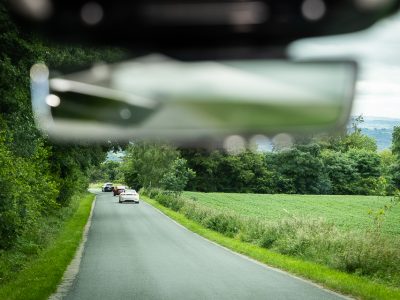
x=225, y=223
x=28, y=192
x=168, y=200
x=364, y=253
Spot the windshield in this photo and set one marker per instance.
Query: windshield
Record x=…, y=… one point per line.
x=246, y=135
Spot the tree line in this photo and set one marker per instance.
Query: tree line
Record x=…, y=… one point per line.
x=347, y=163
x=343, y=164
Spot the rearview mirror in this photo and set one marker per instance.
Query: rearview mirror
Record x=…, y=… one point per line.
x=157, y=97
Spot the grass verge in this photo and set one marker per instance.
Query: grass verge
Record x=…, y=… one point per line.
x=344, y=283
x=40, y=277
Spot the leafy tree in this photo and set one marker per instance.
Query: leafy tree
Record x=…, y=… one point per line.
x=388, y=161
x=396, y=141
x=355, y=139
x=218, y=171
x=341, y=171
x=107, y=171
x=28, y=192
x=111, y=170
x=366, y=162
x=303, y=166
x=367, y=166
x=395, y=169
x=154, y=165
x=176, y=178
x=205, y=164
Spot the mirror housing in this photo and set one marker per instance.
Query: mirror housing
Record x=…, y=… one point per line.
x=160, y=98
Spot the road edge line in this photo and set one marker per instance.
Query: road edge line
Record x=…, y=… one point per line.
x=73, y=268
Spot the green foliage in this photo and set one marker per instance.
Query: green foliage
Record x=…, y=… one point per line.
x=341, y=171
x=367, y=171
x=70, y=165
x=107, y=171
x=396, y=141
x=37, y=176
x=148, y=164
x=356, y=140
x=169, y=200
x=205, y=164
x=244, y=172
x=335, y=164
x=387, y=160
x=395, y=168
x=176, y=178
x=145, y=163
x=303, y=166
x=217, y=171
x=27, y=192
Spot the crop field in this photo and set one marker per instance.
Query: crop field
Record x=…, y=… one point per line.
x=347, y=212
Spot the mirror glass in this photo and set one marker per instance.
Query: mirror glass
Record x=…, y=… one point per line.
x=158, y=97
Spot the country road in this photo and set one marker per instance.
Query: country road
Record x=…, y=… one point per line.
x=135, y=252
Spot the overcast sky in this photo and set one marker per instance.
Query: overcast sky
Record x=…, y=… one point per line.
x=377, y=50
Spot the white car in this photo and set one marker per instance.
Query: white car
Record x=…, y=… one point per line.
x=129, y=195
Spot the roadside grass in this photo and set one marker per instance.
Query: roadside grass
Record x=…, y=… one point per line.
x=345, y=211
x=40, y=273
x=346, y=283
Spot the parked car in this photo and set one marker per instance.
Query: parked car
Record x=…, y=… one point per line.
x=118, y=190
x=129, y=195
x=107, y=187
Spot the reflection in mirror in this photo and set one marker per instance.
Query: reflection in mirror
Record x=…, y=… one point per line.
x=158, y=97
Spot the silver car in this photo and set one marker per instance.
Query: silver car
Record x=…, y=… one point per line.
x=129, y=195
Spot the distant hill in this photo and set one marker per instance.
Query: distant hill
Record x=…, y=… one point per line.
x=380, y=129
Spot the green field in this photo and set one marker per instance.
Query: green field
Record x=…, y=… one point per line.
x=348, y=212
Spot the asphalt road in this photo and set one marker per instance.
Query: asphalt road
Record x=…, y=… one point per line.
x=135, y=252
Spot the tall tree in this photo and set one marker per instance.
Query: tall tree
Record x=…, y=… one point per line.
x=150, y=164
x=396, y=152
